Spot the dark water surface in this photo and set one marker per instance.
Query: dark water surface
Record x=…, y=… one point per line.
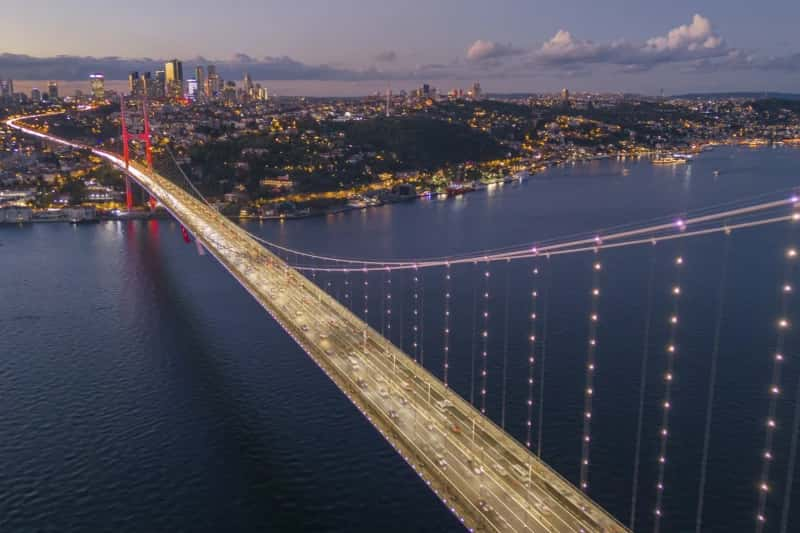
x=141, y=389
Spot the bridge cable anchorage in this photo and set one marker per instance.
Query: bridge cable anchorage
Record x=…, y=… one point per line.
x=474, y=333
x=642, y=386
x=485, y=336
x=723, y=276
x=787, y=497
x=505, y=347
x=532, y=352
x=669, y=374
x=545, y=316
x=591, y=368
x=446, y=347
x=786, y=290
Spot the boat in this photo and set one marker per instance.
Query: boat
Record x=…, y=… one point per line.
x=457, y=189
x=669, y=161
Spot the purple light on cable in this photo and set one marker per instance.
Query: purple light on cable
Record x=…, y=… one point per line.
x=680, y=224
x=795, y=199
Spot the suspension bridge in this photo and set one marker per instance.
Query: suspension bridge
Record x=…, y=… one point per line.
x=490, y=479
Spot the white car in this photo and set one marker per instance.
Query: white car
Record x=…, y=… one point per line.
x=444, y=404
x=521, y=472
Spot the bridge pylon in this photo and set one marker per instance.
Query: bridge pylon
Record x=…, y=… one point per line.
x=126, y=138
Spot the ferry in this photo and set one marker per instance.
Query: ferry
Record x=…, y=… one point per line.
x=457, y=189
x=670, y=161
x=754, y=143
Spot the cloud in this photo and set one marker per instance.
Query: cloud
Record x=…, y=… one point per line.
x=481, y=50
x=692, y=36
x=689, y=42
x=389, y=56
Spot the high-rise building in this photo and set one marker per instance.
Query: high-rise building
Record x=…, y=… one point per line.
x=213, y=85
x=263, y=94
x=174, y=78
x=146, y=82
x=36, y=95
x=160, y=85
x=200, y=76
x=6, y=91
x=565, y=96
x=52, y=91
x=191, y=88
x=247, y=85
x=97, y=82
x=134, y=84
x=477, y=92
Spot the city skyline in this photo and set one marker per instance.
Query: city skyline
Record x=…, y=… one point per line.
x=513, y=47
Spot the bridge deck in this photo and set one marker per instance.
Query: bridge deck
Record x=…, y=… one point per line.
x=481, y=473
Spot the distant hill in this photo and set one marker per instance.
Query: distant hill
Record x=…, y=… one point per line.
x=744, y=95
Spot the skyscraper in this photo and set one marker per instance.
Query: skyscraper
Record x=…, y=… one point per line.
x=213, y=85
x=134, y=84
x=247, y=84
x=6, y=90
x=174, y=78
x=200, y=76
x=477, y=92
x=160, y=85
x=97, y=82
x=146, y=84
x=191, y=88
x=52, y=91
x=36, y=95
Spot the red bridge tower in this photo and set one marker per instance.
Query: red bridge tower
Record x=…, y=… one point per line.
x=126, y=138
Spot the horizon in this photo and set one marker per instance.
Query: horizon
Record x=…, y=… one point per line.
x=362, y=89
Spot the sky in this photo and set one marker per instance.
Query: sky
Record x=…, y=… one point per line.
x=507, y=45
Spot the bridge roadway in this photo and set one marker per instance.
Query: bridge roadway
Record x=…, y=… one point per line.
x=486, y=477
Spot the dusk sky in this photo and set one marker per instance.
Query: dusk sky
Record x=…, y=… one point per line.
x=508, y=45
